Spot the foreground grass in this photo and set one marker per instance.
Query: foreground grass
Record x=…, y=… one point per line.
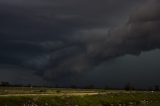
x=102, y=99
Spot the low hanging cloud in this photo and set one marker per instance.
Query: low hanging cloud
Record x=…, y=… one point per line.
x=140, y=33
x=63, y=40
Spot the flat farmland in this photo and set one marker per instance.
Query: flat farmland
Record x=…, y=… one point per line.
x=39, y=96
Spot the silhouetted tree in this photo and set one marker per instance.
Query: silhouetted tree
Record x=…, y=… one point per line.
x=156, y=88
x=5, y=83
x=56, y=86
x=150, y=89
x=89, y=87
x=106, y=87
x=128, y=87
x=73, y=86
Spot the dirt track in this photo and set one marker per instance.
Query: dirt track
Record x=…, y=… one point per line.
x=54, y=94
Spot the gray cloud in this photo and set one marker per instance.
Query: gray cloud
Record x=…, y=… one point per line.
x=140, y=33
x=62, y=39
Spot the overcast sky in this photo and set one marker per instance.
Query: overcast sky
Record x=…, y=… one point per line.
x=100, y=42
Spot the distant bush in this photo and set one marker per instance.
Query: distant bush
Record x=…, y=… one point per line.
x=58, y=91
x=156, y=88
x=43, y=90
x=5, y=84
x=89, y=87
x=129, y=87
x=73, y=86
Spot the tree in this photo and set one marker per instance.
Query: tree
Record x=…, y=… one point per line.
x=73, y=86
x=89, y=87
x=128, y=87
x=106, y=87
x=156, y=88
x=5, y=83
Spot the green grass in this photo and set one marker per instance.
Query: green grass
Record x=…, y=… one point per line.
x=103, y=98
x=94, y=100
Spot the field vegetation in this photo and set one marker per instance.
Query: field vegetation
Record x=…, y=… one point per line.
x=39, y=96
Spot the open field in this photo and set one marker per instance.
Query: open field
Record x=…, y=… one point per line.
x=25, y=96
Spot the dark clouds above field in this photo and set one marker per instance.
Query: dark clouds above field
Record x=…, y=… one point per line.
x=56, y=41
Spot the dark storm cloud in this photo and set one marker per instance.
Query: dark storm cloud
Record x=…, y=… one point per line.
x=140, y=33
x=57, y=17
x=59, y=39
x=141, y=71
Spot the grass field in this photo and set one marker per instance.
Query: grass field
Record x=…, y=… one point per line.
x=25, y=96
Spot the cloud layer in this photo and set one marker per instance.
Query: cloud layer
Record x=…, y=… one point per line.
x=59, y=40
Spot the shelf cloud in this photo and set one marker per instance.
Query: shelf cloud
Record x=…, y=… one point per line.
x=60, y=40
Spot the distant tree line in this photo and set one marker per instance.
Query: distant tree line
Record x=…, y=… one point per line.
x=4, y=84
x=7, y=84
x=127, y=87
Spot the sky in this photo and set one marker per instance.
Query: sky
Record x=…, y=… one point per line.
x=80, y=42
